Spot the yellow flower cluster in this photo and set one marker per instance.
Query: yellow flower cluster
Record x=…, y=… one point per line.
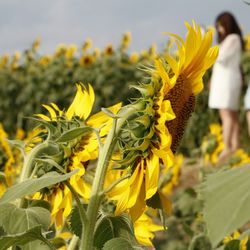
x=212, y=144
x=174, y=172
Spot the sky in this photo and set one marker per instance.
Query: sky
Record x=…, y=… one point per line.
x=104, y=21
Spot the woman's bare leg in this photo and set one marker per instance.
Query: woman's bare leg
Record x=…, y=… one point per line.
x=235, y=138
x=227, y=128
x=248, y=121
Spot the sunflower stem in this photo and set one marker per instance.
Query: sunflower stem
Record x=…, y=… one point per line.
x=28, y=164
x=83, y=216
x=87, y=239
x=73, y=243
x=28, y=161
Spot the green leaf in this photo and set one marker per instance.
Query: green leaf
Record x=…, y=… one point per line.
x=75, y=222
x=74, y=133
x=227, y=202
x=233, y=245
x=31, y=186
x=17, y=220
x=109, y=227
x=23, y=238
x=119, y=244
x=39, y=203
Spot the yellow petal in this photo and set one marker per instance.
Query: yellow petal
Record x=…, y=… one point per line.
x=152, y=176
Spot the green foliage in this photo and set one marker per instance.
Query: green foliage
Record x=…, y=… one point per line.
x=75, y=224
x=227, y=203
x=17, y=220
x=31, y=84
x=31, y=186
x=22, y=226
x=22, y=239
x=107, y=228
x=120, y=243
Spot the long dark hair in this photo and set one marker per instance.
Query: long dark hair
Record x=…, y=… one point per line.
x=228, y=21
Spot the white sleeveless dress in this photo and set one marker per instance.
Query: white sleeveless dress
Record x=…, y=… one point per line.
x=226, y=81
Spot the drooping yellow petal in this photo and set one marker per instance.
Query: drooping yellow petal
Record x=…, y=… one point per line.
x=43, y=117
x=51, y=111
x=57, y=202
x=82, y=103
x=136, y=182
x=152, y=175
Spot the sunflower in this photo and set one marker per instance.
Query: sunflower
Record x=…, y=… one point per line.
x=148, y=141
x=126, y=40
x=77, y=153
x=195, y=57
x=144, y=229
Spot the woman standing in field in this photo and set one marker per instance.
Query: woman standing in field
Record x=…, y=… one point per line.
x=226, y=80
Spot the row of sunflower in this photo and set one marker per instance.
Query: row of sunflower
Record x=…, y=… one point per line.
x=31, y=78
x=93, y=181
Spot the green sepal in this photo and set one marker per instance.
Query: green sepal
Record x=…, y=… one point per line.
x=73, y=134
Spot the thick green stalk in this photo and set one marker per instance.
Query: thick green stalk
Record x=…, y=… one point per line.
x=28, y=161
x=28, y=164
x=97, y=195
x=73, y=243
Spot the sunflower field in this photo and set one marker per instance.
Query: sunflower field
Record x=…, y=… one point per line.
x=107, y=149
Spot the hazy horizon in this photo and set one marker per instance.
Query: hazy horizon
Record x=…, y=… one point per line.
x=65, y=21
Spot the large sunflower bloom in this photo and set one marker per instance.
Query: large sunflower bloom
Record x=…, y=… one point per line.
x=184, y=74
x=169, y=101
x=79, y=153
